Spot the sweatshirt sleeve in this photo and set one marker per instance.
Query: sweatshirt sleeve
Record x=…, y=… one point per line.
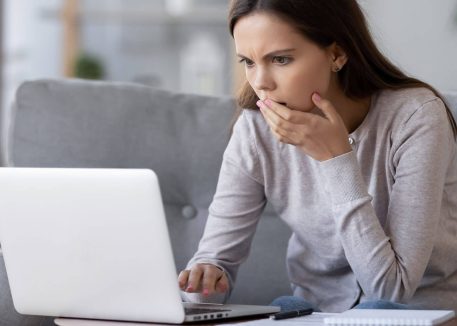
x=390, y=262
x=234, y=211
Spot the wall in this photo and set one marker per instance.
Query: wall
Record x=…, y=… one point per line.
x=31, y=47
x=140, y=41
x=418, y=35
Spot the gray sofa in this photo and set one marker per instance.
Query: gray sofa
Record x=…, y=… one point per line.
x=73, y=123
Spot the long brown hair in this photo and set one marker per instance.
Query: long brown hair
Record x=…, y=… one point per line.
x=325, y=22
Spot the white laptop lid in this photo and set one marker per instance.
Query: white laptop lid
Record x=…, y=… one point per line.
x=81, y=242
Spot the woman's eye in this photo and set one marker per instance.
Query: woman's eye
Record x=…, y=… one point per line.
x=282, y=60
x=247, y=62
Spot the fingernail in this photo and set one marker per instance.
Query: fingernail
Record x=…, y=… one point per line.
x=189, y=288
x=259, y=103
x=316, y=97
x=205, y=292
x=268, y=102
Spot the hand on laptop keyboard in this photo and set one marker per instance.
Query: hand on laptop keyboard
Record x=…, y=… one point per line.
x=204, y=278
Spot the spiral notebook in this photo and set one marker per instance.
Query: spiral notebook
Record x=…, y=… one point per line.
x=390, y=317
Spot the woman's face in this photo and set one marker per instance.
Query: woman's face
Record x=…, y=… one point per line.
x=280, y=63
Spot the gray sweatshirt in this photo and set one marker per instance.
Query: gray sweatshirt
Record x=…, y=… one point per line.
x=379, y=222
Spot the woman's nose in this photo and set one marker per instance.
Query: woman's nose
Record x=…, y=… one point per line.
x=263, y=80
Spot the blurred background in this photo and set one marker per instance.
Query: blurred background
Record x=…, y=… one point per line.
x=184, y=45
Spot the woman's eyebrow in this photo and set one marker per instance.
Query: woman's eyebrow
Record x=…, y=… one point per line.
x=271, y=54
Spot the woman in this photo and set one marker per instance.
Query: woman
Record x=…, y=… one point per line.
x=356, y=157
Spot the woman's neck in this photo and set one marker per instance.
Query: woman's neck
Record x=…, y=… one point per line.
x=353, y=112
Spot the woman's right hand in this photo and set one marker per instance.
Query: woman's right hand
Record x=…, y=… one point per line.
x=203, y=278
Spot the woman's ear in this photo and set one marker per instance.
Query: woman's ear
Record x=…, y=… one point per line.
x=337, y=56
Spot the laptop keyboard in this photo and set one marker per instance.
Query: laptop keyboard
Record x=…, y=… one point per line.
x=197, y=311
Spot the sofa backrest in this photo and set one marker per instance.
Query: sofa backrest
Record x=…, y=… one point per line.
x=73, y=123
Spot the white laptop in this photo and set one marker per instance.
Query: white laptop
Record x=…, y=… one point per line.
x=94, y=244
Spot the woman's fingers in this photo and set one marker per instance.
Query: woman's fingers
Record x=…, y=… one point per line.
x=182, y=279
x=326, y=107
x=222, y=284
x=283, y=120
x=193, y=284
x=204, y=278
x=210, y=276
x=282, y=138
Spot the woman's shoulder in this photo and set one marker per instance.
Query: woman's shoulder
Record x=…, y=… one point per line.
x=251, y=125
x=413, y=112
x=252, y=122
x=252, y=116
x=397, y=107
x=407, y=101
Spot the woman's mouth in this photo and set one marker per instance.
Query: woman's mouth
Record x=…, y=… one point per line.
x=279, y=102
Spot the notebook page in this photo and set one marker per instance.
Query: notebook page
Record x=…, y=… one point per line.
x=390, y=317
